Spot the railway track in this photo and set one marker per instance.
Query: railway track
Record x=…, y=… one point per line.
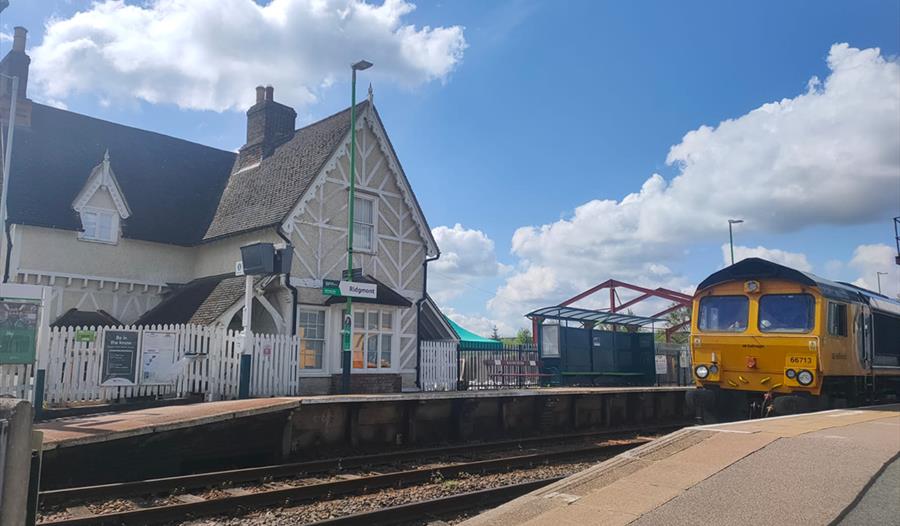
x=274, y=488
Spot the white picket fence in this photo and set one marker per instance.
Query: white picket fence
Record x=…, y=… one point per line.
x=209, y=360
x=439, y=366
x=208, y=363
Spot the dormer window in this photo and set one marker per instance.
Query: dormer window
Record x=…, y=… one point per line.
x=101, y=205
x=99, y=225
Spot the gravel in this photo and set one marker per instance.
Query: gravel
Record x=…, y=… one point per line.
x=327, y=509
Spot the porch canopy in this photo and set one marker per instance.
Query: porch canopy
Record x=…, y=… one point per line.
x=590, y=316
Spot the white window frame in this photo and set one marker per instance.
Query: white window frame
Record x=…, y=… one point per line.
x=395, y=327
x=114, y=225
x=325, y=345
x=374, y=200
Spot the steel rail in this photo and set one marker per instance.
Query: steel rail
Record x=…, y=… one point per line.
x=215, y=478
x=310, y=492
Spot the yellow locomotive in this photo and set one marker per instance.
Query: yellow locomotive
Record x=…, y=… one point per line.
x=774, y=340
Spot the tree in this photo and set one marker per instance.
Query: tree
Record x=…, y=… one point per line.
x=674, y=318
x=494, y=334
x=523, y=337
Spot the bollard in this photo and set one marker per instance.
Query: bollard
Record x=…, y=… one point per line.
x=244, y=386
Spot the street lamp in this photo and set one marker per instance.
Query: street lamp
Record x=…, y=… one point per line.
x=878, y=277
x=346, y=356
x=731, y=235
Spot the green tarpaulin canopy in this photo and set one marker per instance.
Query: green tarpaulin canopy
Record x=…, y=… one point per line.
x=470, y=340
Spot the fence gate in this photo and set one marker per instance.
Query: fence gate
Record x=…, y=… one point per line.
x=439, y=366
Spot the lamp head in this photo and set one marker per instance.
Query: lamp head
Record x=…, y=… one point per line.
x=735, y=221
x=361, y=65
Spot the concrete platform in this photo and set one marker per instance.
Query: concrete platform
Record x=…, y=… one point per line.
x=184, y=439
x=805, y=469
x=74, y=431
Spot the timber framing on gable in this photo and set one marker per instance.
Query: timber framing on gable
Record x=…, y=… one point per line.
x=368, y=118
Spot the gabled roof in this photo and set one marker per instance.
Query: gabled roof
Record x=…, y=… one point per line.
x=262, y=196
x=102, y=176
x=172, y=186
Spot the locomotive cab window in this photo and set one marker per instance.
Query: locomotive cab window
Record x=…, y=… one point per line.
x=837, y=319
x=786, y=313
x=723, y=313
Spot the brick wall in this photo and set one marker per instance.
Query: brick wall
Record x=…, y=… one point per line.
x=369, y=383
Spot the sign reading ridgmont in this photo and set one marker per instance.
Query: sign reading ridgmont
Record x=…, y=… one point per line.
x=333, y=287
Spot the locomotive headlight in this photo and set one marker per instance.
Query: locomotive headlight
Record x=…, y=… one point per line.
x=804, y=377
x=790, y=373
x=713, y=369
x=701, y=371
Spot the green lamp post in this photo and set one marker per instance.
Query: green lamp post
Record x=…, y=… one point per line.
x=346, y=355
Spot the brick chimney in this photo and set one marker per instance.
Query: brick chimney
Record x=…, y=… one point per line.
x=269, y=125
x=15, y=64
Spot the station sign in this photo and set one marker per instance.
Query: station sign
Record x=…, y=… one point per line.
x=354, y=289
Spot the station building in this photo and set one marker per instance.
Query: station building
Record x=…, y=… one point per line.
x=128, y=226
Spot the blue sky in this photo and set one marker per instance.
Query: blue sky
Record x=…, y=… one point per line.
x=551, y=105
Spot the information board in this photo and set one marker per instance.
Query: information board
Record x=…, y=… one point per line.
x=120, y=349
x=18, y=330
x=662, y=365
x=158, y=365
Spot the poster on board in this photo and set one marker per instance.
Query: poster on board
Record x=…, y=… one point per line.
x=120, y=350
x=18, y=330
x=662, y=364
x=158, y=366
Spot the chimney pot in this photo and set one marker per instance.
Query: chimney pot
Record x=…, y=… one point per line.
x=260, y=93
x=270, y=93
x=19, y=38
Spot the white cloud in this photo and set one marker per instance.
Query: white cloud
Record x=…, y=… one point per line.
x=467, y=256
x=830, y=155
x=868, y=260
x=5, y=37
x=791, y=259
x=480, y=325
x=209, y=54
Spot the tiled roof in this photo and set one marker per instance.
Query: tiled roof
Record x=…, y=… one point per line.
x=264, y=195
x=80, y=318
x=201, y=301
x=171, y=185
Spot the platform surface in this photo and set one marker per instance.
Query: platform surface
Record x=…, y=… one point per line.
x=805, y=469
x=74, y=431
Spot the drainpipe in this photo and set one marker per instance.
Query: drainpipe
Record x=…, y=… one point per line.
x=419, y=313
x=287, y=283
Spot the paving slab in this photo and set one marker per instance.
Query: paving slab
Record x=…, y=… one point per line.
x=805, y=469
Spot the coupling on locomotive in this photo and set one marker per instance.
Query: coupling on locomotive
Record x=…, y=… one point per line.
x=769, y=340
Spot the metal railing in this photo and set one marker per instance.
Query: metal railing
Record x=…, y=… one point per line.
x=498, y=366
